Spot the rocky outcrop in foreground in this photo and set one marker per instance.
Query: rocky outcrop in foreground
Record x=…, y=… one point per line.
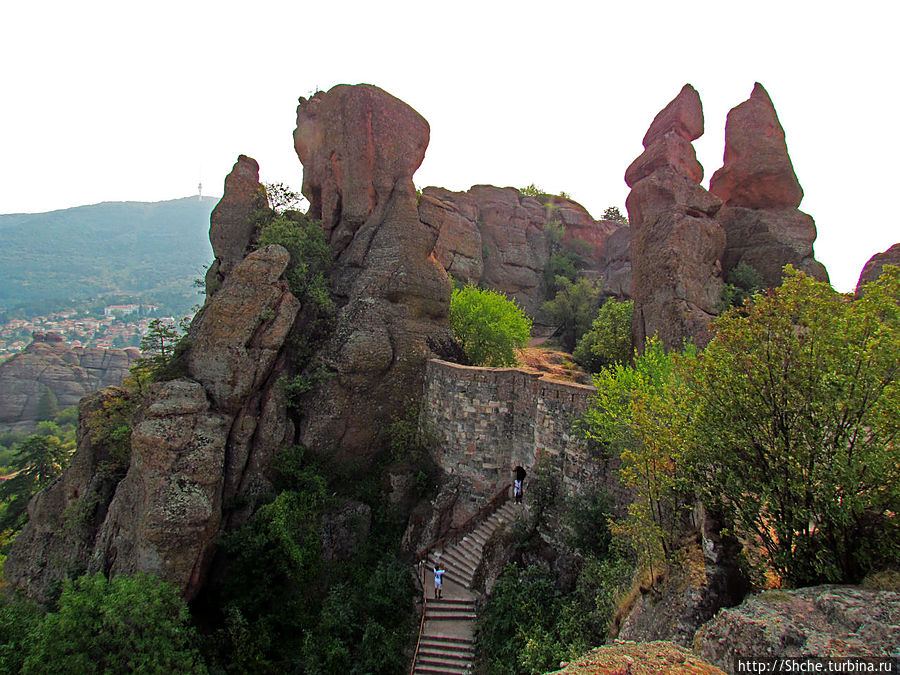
x=639, y=658
x=875, y=265
x=499, y=238
x=676, y=244
x=70, y=373
x=360, y=147
x=197, y=442
x=760, y=192
x=815, y=621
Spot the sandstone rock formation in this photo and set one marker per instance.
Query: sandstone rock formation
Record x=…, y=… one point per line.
x=676, y=245
x=815, y=621
x=498, y=237
x=231, y=227
x=48, y=364
x=760, y=193
x=197, y=442
x=639, y=658
x=875, y=265
x=360, y=147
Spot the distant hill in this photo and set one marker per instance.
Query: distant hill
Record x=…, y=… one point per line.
x=146, y=251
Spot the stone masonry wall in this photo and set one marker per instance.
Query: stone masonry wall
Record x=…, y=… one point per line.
x=489, y=420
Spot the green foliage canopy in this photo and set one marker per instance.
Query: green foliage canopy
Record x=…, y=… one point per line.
x=798, y=415
x=125, y=625
x=489, y=327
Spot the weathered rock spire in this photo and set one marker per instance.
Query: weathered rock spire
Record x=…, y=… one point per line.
x=360, y=147
x=761, y=194
x=676, y=244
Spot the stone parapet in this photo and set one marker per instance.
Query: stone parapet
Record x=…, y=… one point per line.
x=487, y=421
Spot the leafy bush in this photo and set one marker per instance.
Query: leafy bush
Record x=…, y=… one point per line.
x=642, y=412
x=311, y=256
x=743, y=282
x=609, y=340
x=127, y=624
x=488, y=326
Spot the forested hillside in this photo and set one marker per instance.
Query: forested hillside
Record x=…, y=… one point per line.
x=136, y=251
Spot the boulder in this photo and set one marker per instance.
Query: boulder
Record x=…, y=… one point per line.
x=816, y=621
x=769, y=239
x=47, y=364
x=875, y=265
x=360, y=147
x=760, y=192
x=676, y=245
x=231, y=225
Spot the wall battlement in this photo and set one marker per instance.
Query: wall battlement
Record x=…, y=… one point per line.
x=489, y=420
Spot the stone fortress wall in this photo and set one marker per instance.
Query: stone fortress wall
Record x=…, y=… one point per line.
x=486, y=421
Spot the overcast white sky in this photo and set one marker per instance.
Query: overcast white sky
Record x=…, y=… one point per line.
x=114, y=101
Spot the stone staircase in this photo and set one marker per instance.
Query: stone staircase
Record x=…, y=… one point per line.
x=446, y=638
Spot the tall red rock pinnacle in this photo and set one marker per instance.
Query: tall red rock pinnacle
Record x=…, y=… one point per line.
x=360, y=147
x=231, y=226
x=761, y=194
x=676, y=244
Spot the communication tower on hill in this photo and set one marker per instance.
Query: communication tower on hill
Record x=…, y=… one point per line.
x=200, y=191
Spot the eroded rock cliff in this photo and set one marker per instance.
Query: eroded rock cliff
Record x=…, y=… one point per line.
x=69, y=373
x=499, y=238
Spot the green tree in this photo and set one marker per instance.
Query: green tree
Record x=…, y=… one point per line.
x=798, y=410
x=282, y=198
x=574, y=308
x=158, y=349
x=612, y=213
x=38, y=460
x=608, y=342
x=643, y=414
x=311, y=256
x=125, y=625
x=489, y=327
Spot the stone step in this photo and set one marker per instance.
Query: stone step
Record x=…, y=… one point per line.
x=452, y=568
x=470, y=616
x=441, y=665
x=442, y=670
x=452, y=651
x=457, y=558
x=443, y=603
x=462, y=642
x=471, y=551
